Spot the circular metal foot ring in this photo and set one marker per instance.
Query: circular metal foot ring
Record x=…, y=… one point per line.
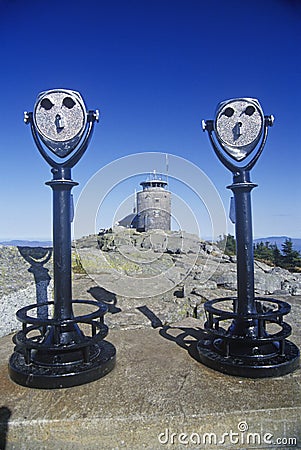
x=275, y=366
x=36, y=376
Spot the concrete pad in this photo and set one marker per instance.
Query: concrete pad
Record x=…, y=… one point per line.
x=158, y=396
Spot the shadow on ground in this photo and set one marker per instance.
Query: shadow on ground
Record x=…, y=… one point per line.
x=186, y=337
x=5, y=414
x=108, y=298
x=37, y=257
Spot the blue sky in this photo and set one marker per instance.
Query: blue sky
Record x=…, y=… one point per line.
x=155, y=69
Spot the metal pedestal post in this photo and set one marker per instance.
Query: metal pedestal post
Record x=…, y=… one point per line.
x=246, y=348
x=61, y=186
x=60, y=354
x=246, y=335
x=241, y=189
x=65, y=349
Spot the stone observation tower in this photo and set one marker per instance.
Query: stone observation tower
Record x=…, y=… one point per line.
x=153, y=205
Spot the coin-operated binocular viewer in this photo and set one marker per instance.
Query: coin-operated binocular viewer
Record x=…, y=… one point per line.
x=65, y=349
x=246, y=335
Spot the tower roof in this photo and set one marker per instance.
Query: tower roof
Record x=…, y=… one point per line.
x=154, y=181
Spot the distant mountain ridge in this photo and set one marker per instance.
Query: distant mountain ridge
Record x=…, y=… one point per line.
x=24, y=243
x=279, y=240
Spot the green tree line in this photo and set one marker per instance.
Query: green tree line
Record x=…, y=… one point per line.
x=287, y=258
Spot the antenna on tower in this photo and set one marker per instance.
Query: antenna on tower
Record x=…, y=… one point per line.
x=135, y=202
x=166, y=165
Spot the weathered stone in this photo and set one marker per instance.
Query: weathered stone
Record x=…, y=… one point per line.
x=262, y=266
x=210, y=284
x=266, y=283
x=136, y=266
x=296, y=291
x=226, y=280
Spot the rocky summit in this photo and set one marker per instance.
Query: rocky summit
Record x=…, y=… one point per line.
x=172, y=273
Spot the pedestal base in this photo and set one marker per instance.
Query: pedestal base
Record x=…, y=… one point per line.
x=66, y=375
x=255, y=344
x=274, y=366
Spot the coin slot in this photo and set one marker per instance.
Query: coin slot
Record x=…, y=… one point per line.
x=237, y=131
x=59, y=123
